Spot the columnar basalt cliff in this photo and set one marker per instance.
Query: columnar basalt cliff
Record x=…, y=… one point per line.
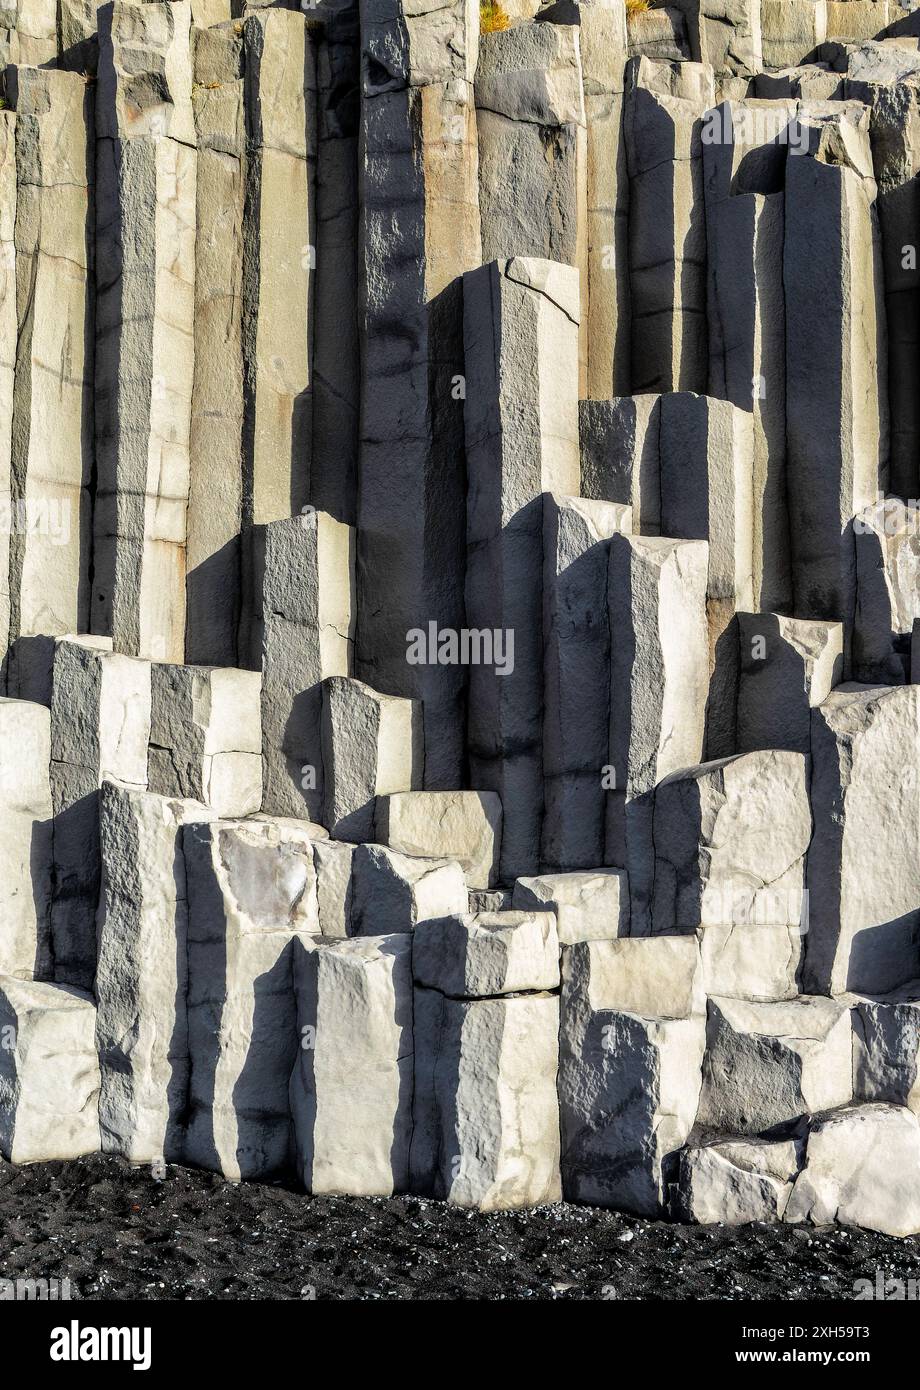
x=459, y=597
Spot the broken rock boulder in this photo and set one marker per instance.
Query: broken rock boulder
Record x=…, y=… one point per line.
x=734, y=1181
x=862, y=1168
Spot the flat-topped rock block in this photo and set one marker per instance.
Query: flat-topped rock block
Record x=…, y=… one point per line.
x=485, y=1115
x=631, y=1044
x=588, y=905
x=487, y=953
x=466, y=826
x=49, y=1075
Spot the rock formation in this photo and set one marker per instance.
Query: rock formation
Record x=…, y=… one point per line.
x=460, y=599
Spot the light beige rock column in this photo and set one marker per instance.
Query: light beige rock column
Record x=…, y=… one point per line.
x=215, y=504
x=659, y=670
x=667, y=239
x=8, y=336
x=52, y=455
x=146, y=163
x=279, y=254
x=533, y=151
x=521, y=334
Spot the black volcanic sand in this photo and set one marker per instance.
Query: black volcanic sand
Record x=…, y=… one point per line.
x=118, y=1233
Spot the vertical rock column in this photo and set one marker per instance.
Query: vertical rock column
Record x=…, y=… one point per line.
x=255, y=113
x=521, y=335
x=145, y=240
x=743, y=182
x=533, y=150
x=336, y=356
x=656, y=600
x=707, y=467
x=893, y=122
x=215, y=504
x=667, y=238
x=278, y=259
x=576, y=689
x=602, y=46
x=52, y=429
x=8, y=335
x=420, y=231
x=603, y=62
x=836, y=426
x=100, y=728
x=303, y=632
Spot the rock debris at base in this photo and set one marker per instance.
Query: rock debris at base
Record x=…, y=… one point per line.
x=117, y=1233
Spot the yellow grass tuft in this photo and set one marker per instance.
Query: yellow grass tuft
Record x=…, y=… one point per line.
x=492, y=17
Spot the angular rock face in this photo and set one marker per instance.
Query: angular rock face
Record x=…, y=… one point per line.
x=886, y=1047
x=588, y=906
x=251, y=900
x=459, y=619
x=100, y=728
x=631, y=1043
x=420, y=230
x=667, y=243
x=736, y=1181
x=863, y=924
x=659, y=665
x=576, y=665
x=787, y=667
x=861, y=1165
x=301, y=633
x=485, y=1120
x=521, y=441
x=142, y=974
x=887, y=539
x=52, y=420
x=730, y=843
x=769, y=1063
x=392, y=892
x=26, y=940
x=833, y=466
x=49, y=1075
x=146, y=168
x=205, y=737
x=351, y=1085
x=372, y=745
x=489, y=953
x=462, y=825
